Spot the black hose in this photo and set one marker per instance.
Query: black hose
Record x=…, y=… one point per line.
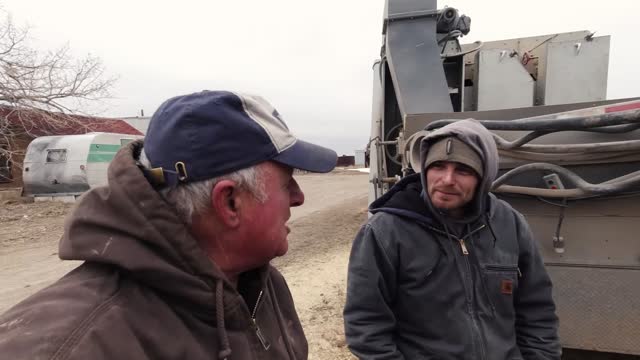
x=506, y=145
x=617, y=129
x=627, y=182
x=603, y=147
x=579, y=123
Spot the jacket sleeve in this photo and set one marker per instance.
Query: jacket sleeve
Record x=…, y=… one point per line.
x=368, y=316
x=536, y=320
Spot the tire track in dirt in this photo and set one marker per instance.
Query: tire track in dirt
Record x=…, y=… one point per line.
x=29, y=234
x=316, y=270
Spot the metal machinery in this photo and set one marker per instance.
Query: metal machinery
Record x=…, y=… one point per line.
x=569, y=158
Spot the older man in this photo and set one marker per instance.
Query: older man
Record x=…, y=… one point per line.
x=176, y=248
x=444, y=270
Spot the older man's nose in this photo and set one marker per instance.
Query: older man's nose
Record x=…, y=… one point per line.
x=296, y=196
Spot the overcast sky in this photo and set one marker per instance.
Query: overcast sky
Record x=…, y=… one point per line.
x=312, y=60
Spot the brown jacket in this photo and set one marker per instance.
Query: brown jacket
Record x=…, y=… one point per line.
x=147, y=291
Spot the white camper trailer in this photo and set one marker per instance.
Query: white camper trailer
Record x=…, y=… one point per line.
x=68, y=165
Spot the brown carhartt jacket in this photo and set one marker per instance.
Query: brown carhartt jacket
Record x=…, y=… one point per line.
x=147, y=291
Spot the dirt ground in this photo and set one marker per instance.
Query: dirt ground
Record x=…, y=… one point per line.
x=315, y=266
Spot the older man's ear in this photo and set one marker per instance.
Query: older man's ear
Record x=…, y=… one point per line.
x=226, y=203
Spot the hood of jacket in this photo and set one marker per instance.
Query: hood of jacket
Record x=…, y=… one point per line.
x=129, y=225
x=404, y=199
x=145, y=271
x=479, y=139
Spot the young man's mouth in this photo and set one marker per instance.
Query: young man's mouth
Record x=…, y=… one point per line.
x=447, y=193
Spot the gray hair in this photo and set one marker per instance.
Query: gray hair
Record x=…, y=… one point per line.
x=195, y=198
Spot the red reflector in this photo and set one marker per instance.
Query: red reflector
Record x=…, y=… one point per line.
x=615, y=108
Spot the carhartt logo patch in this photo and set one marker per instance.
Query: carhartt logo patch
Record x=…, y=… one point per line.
x=506, y=287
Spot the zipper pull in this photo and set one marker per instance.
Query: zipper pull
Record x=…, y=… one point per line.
x=463, y=247
x=519, y=272
x=265, y=343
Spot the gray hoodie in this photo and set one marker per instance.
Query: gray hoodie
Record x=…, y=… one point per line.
x=479, y=139
x=413, y=293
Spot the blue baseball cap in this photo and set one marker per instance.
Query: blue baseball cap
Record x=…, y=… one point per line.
x=212, y=133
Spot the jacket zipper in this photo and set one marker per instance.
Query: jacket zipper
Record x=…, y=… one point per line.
x=465, y=253
x=265, y=343
x=463, y=247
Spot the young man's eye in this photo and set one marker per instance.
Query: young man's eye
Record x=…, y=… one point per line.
x=464, y=171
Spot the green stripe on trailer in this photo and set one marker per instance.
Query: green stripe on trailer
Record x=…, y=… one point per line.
x=104, y=148
x=102, y=157
x=102, y=152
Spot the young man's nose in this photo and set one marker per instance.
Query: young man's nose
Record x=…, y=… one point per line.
x=296, y=196
x=448, y=175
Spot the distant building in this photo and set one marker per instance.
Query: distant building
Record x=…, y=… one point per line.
x=360, y=158
x=141, y=123
x=345, y=160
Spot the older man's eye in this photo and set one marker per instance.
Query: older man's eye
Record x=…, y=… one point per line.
x=289, y=184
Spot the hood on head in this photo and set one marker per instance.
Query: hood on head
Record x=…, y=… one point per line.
x=476, y=136
x=130, y=226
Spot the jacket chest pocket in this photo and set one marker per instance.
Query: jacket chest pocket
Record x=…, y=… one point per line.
x=502, y=284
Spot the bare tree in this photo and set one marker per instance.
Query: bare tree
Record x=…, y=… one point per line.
x=39, y=90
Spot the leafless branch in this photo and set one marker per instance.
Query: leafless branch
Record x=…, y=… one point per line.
x=41, y=89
